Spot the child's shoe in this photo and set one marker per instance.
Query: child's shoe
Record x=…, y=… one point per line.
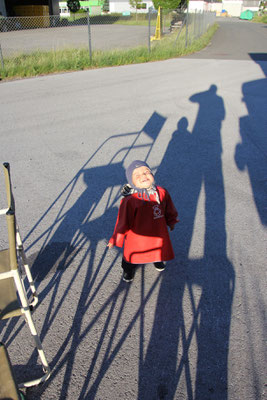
x=160, y=266
x=128, y=276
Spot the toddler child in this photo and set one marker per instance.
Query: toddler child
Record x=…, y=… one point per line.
x=142, y=221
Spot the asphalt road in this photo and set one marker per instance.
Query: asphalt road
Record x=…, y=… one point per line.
x=235, y=40
x=197, y=330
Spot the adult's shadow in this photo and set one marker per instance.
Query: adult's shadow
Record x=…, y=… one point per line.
x=251, y=152
x=190, y=334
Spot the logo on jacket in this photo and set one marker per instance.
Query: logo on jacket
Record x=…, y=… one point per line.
x=157, y=212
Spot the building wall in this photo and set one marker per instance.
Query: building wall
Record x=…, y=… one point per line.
x=252, y=5
x=120, y=6
x=216, y=7
x=233, y=7
x=198, y=5
x=254, y=9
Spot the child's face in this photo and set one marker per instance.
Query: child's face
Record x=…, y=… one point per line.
x=142, y=178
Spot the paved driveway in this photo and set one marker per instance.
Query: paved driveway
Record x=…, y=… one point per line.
x=197, y=330
x=235, y=40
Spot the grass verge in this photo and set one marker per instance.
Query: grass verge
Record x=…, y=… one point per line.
x=262, y=19
x=43, y=63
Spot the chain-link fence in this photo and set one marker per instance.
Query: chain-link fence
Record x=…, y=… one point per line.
x=191, y=26
x=24, y=35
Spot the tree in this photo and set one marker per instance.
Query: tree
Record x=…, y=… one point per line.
x=73, y=5
x=135, y=4
x=106, y=6
x=262, y=7
x=170, y=4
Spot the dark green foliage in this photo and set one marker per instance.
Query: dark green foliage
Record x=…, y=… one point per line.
x=135, y=3
x=106, y=5
x=170, y=4
x=73, y=5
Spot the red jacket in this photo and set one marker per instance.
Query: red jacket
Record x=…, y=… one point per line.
x=142, y=227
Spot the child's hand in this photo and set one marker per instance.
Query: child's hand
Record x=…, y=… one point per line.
x=110, y=245
x=172, y=227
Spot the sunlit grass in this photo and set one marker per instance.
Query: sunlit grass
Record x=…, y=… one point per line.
x=42, y=63
x=262, y=19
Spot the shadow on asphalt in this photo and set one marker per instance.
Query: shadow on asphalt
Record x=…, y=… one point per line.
x=251, y=153
x=192, y=161
x=191, y=164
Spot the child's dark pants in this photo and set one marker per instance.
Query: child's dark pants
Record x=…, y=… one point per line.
x=127, y=267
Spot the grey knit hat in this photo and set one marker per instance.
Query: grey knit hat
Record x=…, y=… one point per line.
x=129, y=171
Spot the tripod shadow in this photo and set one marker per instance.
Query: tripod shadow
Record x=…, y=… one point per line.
x=190, y=335
x=73, y=231
x=73, y=240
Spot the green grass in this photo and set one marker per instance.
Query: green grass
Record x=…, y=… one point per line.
x=133, y=21
x=43, y=63
x=143, y=20
x=262, y=19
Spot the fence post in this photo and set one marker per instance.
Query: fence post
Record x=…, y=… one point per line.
x=180, y=30
x=89, y=36
x=194, y=34
x=1, y=58
x=186, y=27
x=149, y=31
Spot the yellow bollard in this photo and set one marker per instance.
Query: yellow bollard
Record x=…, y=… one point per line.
x=158, y=32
